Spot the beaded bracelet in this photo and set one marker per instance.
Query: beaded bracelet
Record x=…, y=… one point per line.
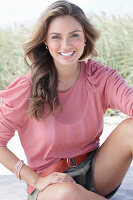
x=18, y=167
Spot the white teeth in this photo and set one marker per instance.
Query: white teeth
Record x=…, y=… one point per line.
x=66, y=54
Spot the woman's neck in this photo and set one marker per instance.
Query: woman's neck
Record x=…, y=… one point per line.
x=68, y=76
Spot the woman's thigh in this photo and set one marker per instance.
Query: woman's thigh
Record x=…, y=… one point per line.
x=114, y=158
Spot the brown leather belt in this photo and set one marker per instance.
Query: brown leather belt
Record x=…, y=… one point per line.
x=61, y=166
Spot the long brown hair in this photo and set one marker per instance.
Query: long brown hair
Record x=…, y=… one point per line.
x=44, y=73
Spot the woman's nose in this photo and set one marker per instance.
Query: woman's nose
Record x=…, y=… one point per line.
x=65, y=43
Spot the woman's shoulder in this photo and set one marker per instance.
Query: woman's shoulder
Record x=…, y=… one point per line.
x=23, y=80
x=96, y=70
x=92, y=67
x=20, y=85
x=27, y=77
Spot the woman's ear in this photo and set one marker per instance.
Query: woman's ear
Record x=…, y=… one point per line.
x=85, y=40
x=45, y=43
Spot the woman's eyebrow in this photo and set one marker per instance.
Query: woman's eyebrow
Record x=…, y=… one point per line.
x=55, y=33
x=74, y=31
x=68, y=33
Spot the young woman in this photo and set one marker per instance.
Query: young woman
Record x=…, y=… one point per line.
x=58, y=111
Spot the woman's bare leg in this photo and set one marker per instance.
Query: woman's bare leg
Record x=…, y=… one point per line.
x=65, y=191
x=114, y=158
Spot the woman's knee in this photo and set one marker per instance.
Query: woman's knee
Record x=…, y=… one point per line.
x=60, y=191
x=68, y=190
x=124, y=134
x=128, y=122
x=127, y=128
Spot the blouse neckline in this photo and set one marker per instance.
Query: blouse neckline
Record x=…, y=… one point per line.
x=74, y=85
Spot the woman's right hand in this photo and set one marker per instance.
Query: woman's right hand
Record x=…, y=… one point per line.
x=55, y=177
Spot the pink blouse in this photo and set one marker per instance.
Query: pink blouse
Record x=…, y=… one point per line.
x=77, y=129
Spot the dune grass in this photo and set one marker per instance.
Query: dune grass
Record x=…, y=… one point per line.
x=115, y=48
x=11, y=56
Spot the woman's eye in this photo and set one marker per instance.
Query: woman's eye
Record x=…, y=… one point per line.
x=55, y=37
x=75, y=35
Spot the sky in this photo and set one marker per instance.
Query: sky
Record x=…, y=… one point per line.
x=27, y=11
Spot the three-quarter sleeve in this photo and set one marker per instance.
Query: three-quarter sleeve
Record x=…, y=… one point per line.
x=112, y=90
x=13, y=108
x=118, y=94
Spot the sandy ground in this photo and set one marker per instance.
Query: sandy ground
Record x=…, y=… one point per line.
x=15, y=146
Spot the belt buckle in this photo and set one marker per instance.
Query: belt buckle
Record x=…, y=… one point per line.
x=72, y=161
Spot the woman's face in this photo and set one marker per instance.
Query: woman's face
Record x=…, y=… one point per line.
x=65, y=40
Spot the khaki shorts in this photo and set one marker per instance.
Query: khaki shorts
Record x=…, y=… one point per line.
x=83, y=174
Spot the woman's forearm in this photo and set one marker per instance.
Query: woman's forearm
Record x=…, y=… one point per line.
x=9, y=160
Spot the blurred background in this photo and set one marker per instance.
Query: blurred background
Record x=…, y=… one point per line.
x=26, y=11
x=114, y=19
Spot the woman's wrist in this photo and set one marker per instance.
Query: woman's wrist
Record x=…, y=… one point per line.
x=29, y=175
x=18, y=168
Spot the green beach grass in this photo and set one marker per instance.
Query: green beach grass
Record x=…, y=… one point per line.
x=115, y=48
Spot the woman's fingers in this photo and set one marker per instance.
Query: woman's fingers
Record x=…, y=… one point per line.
x=56, y=177
x=61, y=177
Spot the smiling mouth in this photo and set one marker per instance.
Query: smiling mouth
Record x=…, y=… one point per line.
x=67, y=54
